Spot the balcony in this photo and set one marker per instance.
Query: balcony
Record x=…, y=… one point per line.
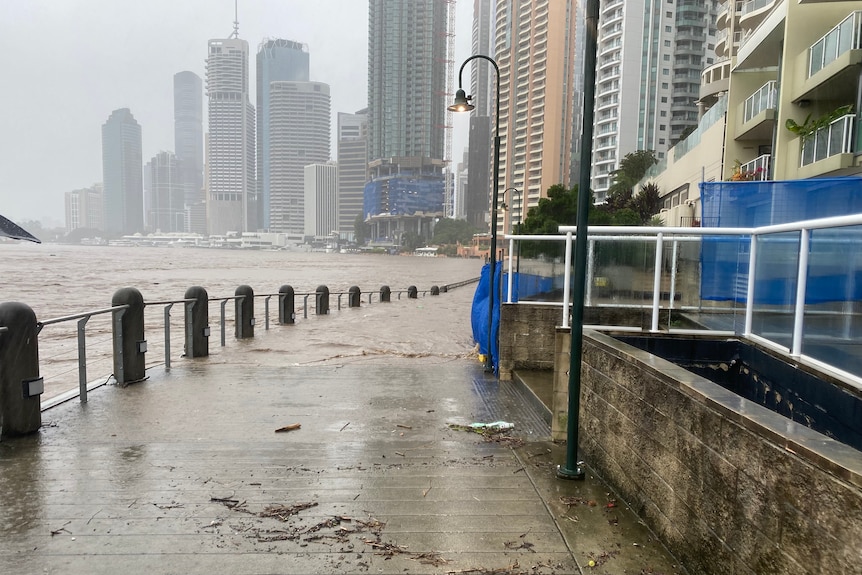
x=831, y=141
x=754, y=12
x=756, y=170
x=758, y=114
x=835, y=43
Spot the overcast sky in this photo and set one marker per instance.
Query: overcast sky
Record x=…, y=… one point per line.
x=67, y=64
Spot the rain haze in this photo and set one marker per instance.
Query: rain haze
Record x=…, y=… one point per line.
x=69, y=63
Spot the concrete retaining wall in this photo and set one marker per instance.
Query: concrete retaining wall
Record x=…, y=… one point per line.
x=527, y=337
x=729, y=486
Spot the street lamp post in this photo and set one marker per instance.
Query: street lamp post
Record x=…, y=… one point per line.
x=462, y=104
x=571, y=469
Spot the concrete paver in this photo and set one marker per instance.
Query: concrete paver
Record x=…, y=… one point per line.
x=184, y=473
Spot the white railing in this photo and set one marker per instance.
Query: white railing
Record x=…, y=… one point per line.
x=801, y=235
x=765, y=98
x=836, y=138
x=843, y=37
x=758, y=168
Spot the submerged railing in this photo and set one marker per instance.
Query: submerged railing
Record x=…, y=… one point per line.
x=110, y=340
x=793, y=287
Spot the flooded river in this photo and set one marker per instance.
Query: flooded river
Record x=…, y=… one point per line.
x=59, y=280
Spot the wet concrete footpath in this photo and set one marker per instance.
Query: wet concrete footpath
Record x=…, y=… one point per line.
x=186, y=473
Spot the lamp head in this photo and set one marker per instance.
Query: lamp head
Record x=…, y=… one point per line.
x=462, y=102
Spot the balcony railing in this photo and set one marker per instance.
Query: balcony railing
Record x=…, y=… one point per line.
x=765, y=98
x=754, y=5
x=757, y=169
x=834, y=139
x=842, y=38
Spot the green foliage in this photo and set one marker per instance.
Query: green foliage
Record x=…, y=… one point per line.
x=449, y=231
x=809, y=125
x=647, y=203
x=361, y=230
x=632, y=168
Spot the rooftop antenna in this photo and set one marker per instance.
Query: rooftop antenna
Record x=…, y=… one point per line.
x=235, y=19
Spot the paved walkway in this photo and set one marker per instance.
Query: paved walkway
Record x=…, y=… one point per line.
x=184, y=473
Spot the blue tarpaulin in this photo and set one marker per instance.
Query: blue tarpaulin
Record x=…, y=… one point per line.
x=479, y=314
x=833, y=274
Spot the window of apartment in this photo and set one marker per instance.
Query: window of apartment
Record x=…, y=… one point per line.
x=664, y=99
x=661, y=141
x=667, y=43
x=662, y=127
x=664, y=85
x=668, y=29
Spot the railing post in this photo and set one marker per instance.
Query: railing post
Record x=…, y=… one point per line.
x=244, y=306
x=197, y=322
x=385, y=294
x=510, y=279
x=567, y=279
x=801, y=286
x=223, y=306
x=322, y=300
x=20, y=384
x=412, y=292
x=675, y=255
x=82, y=359
x=354, y=296
x=266, y=312
x=656, y=282
x=305, y=306
x=168, y=335
x=435, y=290
x=286, y=312
x=749, y=296
x=129, y=343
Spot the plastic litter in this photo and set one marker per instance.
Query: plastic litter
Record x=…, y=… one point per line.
x=496, y=425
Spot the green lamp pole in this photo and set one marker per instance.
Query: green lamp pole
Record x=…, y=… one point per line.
x=462, y=104
x=571, y=469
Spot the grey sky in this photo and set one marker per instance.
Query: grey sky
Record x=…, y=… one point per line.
x=66, y=64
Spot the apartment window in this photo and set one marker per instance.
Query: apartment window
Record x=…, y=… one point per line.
x=664, y=85
x=667, y=43
x=662, y=127
x=664, y=99
x=668, y=29
x=661, y=141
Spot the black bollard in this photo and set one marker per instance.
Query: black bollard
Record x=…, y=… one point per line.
x=412, y=293
x=435, y=290
x=244, y=312
x=197, y=322
x=286, y=305
x=354, y=296
x=20, y=384
x=322, y=300
x=129, y=343
x=444, y=289
x=385, y=294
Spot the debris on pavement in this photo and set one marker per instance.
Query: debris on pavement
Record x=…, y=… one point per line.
x=290, y=427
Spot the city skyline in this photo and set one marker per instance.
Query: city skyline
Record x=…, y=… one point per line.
x=103, y=68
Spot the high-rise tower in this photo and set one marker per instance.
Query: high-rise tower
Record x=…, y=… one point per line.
x=482, y=87
x=122, y=169
x=352, y=169
x=536, y=53
x=407, y=64
x=188, y=134
x=278, y=60
x=230, y=179
x=407, y=41
x=299, y=134
x=647, y=78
